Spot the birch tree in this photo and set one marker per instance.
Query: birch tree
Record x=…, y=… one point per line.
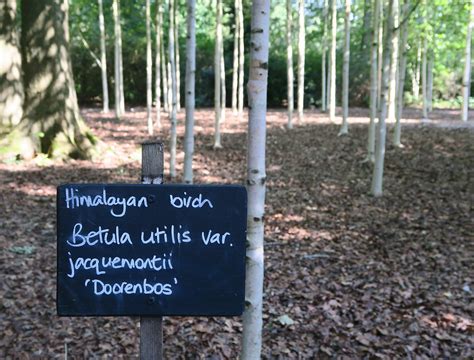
x=173, y=81
x=377, y=178
x=374, y=60
x=257, y=93
x=402, y=64
x=158, y=41
x=223, y=89
x=466, y=83
x=190, y=90
x=217, y=77
x=148, y=68
x=11, y=87
x=392, y=92
x=289, y=62
x=324, y=56
x=380, y=53
x=424, y=78
x=429, y=95
x=417, y=73
x=164, y=73
x=301, y=58
x=118, y=62
x=345, y=72
x=241, y=59
x=103, y=60
x=177, y=60
x=235, y=58
x=332, y=63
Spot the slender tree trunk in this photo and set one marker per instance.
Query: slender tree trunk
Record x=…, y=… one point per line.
x=103, y=61
x=289, y=62
x=164, y=71
x=430, y=82
x=11, y=87
x=392, y=92
x=301, y=56
x=170, y=81
x=173, y=81
x=190, y=91
x=148, y=68
x=119, y=43
x=118, y=108
x=380, y=53
x=417, y=74
x=424, y=85
x=241, y=59
x=332, y=63
x=324, y=56
x=466, y=83
x=401, y=78
x=177, y=61
x=377, y=178
x=158, y=40
x=235, y=64
x=217, y=77
x=50, y=97
x=374, y=84
x=257, y=92
x=345, y=72
x=365, y=44
x=223, y=89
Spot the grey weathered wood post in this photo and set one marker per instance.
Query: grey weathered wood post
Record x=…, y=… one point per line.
x=151, y=328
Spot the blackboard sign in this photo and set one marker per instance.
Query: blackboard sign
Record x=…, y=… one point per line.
x=150, y=250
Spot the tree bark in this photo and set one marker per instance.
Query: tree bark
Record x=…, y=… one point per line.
x=402, y=63
x=374, y=84
x=380, y=53
x=119, y=91
x=345, y=72
x=324, y=56
x=158, y=41
x=190, y=91
x=257, y=92
x=466, y=83
x=11, y=87
x=241, y=59
x=173, y=81
x=235, y=63
x=289, y=62
x=301, y=58
x=223, y=89
x=103, y=61
x=430, y=82
x=164, y=71
x=392, y=92
x=148, y=68
x=377, y=178
x=51, y=122
x=217, y=77
x=417, y=73
x=177, y=60
x=424, y=78
x=332, y=63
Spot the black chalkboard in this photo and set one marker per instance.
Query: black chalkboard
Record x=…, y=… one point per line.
x=150, y=250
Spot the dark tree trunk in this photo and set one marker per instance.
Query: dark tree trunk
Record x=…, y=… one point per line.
x=51, y=121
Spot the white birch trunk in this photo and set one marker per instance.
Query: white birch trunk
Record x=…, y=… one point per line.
x=149, y=98
x=345, y=72
x=257, y=90
x=164, y=72
x=170, y=81
x=103, y=60
x=223, y=89
x=190, y=91
x=374, y=84
x=118, y=109
x=177, y=60
x=324, y=55
x=417, y=74
x=377, y=178
x=392, y=92
x=289, y=62
x=332, y=63
x=301, y=58
x=424, y=78
x=402, y=63
x=235, y=59
x=122, y=92
x=430, y=82
x=173, y=134
x=241, y=59
x=380, y=54
x=466, y=82
x=217, y=77
x=158, y=40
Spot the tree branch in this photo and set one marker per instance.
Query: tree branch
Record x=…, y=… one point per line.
x=407, y=17
x=86, y=45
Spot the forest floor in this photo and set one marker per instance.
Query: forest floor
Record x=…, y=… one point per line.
x=356, y=276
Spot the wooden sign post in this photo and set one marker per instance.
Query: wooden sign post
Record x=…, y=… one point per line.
x=151, y=250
